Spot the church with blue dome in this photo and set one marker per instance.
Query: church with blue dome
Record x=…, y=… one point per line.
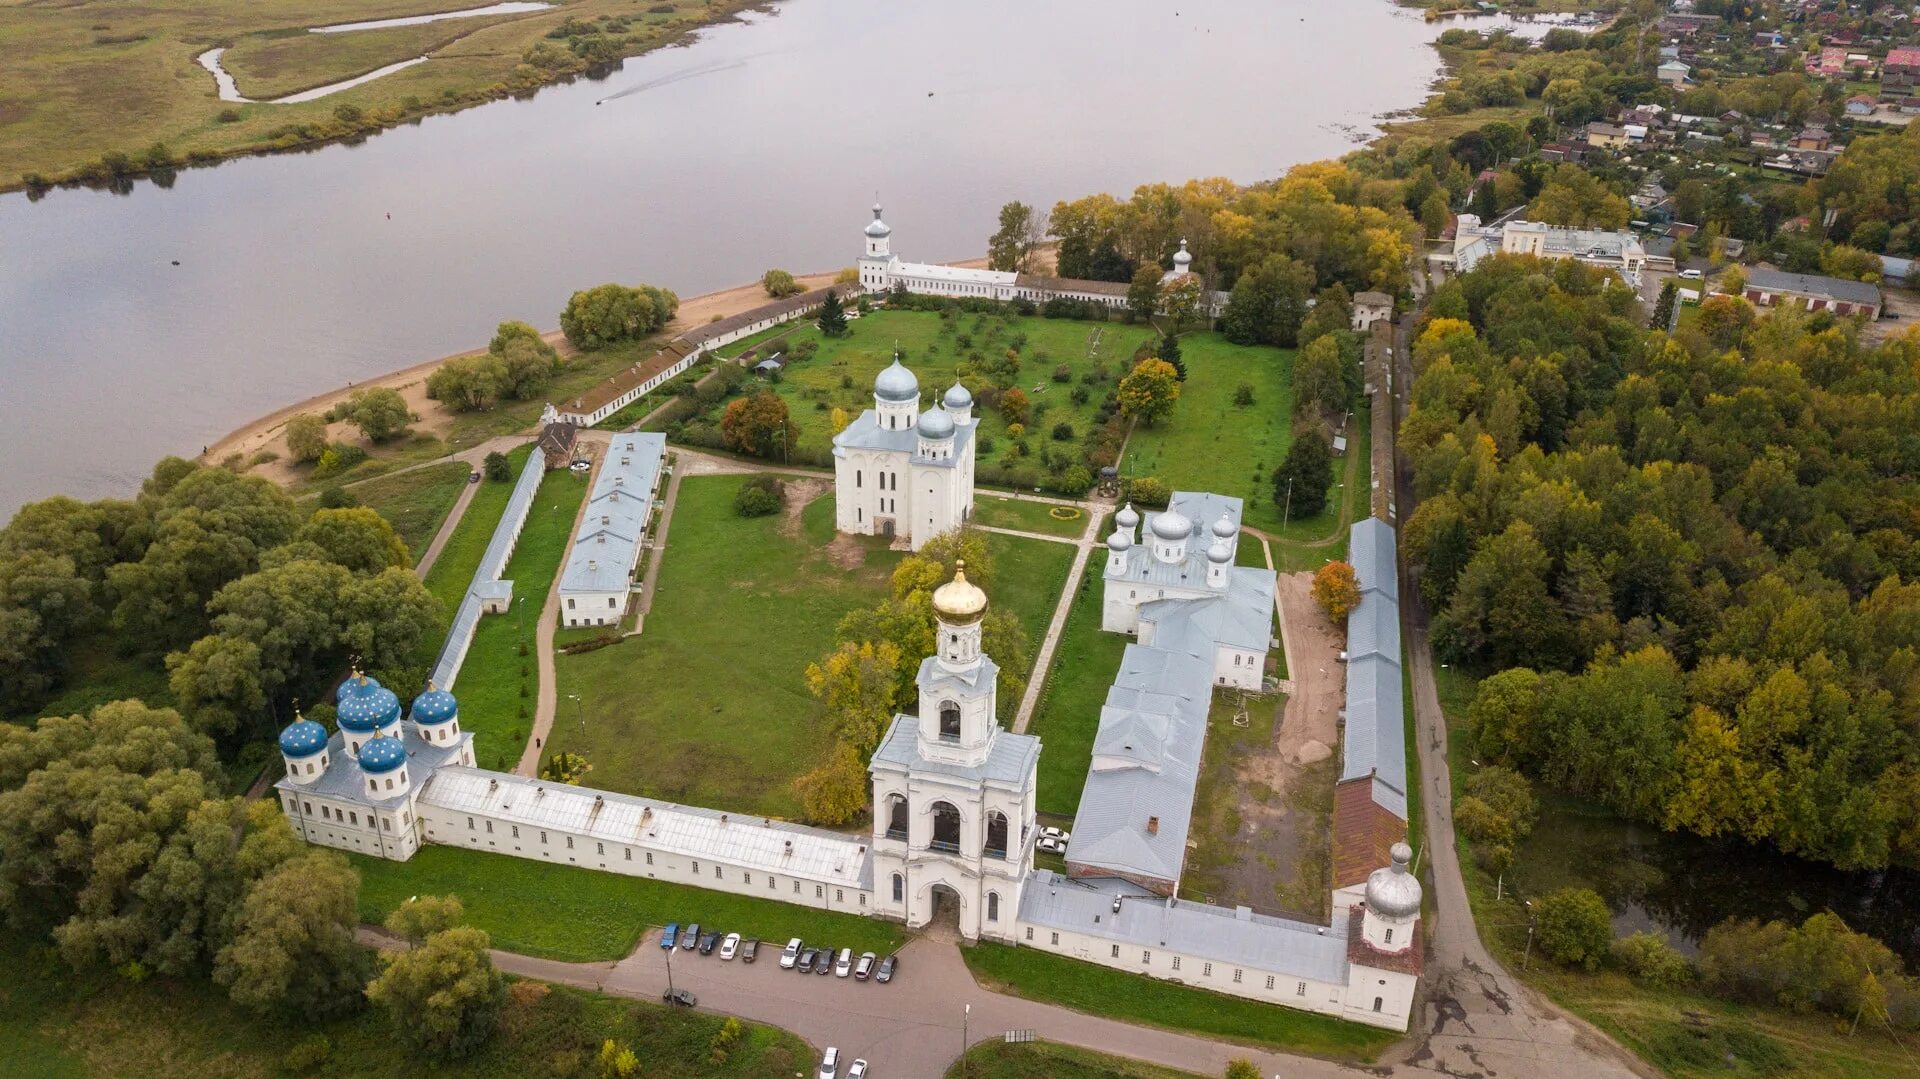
x=901, y=473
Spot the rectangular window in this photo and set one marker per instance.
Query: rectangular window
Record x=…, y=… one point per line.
x=746, y=878
x=1206, y=970
x=1056, y=936
x=1146, y=956
x=696, y=867
x=489, y=827
x=796, y=887
x=516, y=831
x=839, y=896
x=819, y=891
x=469, y=824
x=354, y=817
x=309, y=806
x=863, y=899
x=627, y=853
x=599, y=848
x=1176, y=962
x=1030, y=933
x=1116, y=951
x=716, y=873
x=387, y=823
x=543, y=837
x=1236, y=975
x=649, y=857
x=325, y=813
x=1300, y=990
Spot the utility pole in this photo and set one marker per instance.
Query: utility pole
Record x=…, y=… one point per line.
x=964, y=1016
x=1287, y=510
x=1527, y=956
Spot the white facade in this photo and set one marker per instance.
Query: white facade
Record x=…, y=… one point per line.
x=1616, y=250
x=596, y=584
x=1369, y=308
x=900, y=473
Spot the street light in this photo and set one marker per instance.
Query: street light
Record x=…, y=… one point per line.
x=579, y=710
x=964, y=1015
x=1527, y=956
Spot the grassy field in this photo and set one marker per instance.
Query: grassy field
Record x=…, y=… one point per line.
x=58, y=1025
x=584, y=915
x=452, y=572
x=1212, y=444
x=78, y=82
x=416, y=503
x=710, y=704
x=1134, y=998
x=1025, y=516
x=500, y=679
x=1051, y=1060
x=1028, y=576
x=841, y=373
x=1068, y=713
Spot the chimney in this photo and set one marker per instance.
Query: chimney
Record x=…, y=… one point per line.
x=1153, y=825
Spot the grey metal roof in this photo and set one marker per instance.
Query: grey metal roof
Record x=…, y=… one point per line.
x=446, y=667
x=344, y=780
x=1235, y=937
x=1008, y=761
x=1376, y=742
x=1370, y=549
x=1242, y=617
x=1813, y=285
x=607, y=546
x=758, y=842
x=1373, y=628
x=866, y=433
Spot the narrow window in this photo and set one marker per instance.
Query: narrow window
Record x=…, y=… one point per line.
x=796, y=887
x=993, y=906
x=649, y=857
x=600, y=848
x=1300, y=990
x=1116, y=951
x=839, y=896
x=543, y=838
x=1206, y=970
x=1269, y=981
x=899, y=888
x=569, y=842
x=1236, y=975
x=1376, y=1003
x=716, y=873
x=489, y=827
x=1056, y=936
x=1146, y=956
x=1176, y=962
x=627, y=854
x=516, y=831
x=696, y=867
x=1389, y=936
x=819, y=891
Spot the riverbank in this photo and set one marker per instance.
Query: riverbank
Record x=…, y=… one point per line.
x=102, y=98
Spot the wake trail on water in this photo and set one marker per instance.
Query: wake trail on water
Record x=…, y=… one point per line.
x=678, y=76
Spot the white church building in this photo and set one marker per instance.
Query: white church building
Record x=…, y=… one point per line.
x=902, y=473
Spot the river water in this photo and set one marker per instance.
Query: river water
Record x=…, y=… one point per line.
x=761, y=144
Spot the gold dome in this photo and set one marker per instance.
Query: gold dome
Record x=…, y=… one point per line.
x=959, y=600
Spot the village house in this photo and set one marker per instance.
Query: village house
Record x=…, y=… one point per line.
x=1901, y=69
x=1606, y=136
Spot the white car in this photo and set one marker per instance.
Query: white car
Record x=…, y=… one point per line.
x=857, y=1070
x=1691, y=275
x=1056, y=833
x=830, y=1064
x=791, y=955
x=1050, y=845
x=730, y=947
x=844, y=966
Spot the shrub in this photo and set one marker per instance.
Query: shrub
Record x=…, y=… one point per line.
x=338, y=459
x=1574, y=926
x=1243, y=394
x=337, y=498
x=1063, y=373
x=1149, y=491
x=228, y=116
x=497, y=468
x=760, y=496
x=1648, y=958
x=307, y=1054
x=1079, y=396
x=1063, y=432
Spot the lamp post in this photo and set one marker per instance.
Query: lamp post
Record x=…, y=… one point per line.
x=579, y=710
x=1287, y=510
x=670, y=952
x=964, y=1015
x=1527, y=956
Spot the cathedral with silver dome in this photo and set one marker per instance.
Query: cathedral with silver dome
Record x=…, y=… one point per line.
x=902, y=473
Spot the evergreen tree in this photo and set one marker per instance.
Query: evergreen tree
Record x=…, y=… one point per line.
x=1300, y=483
x=1486, y=204
x=1169, y=351
x=833, y=316
x=1663, y=309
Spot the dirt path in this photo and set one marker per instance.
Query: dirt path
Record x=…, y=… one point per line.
x=547, y=695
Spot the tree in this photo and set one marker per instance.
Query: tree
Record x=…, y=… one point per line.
x=293, y=950
x=1168, y=349
x=835, y=792
x=1648, y=958
x=496, y=467
x=604, y=314
x=1008, y=247
x=527, y=362
x=1337, y=590
x=1143, y=294
x=1014, y=406
x=856, y=683
x=1268, y=303
x=1180, y=299
x=379, y=411
x=422, y=916
x=760, y=496
x=1575, y=197
x=568, y=768
x=1574, y=927
x=1724, y=320
x=833, y=316
x=1332, y=313
x=1663, y=309
x=470, y=383
x=444, y=996
x=1149, y=391
x=359, y=539
x=1241, y=1069
x=219, y=683
x=759, y=425
x=1300, y=483
x=617, y=1061
x=306, y=437
x=1486, y=203
x=1320, y=383
x=780, y=284
x=1851, y=263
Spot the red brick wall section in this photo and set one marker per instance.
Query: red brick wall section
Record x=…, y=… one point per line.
x=1364, y=954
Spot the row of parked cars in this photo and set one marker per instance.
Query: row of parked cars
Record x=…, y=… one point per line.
x=691, y=939
x=797, y=955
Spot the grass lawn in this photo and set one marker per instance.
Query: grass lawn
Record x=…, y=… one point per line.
x=452, y=572
x=1068, y=713
x=1024, y=516
x=710, y=704
x=584, y=915
x=1028, y=575
x=1135, y=998
x=415, y=503
x=55, y=1024
x=841, y=373
x=500, y=679
x=1050, y=1060
x=1212, y=444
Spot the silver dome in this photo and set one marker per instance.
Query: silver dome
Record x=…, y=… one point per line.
x=936, y=424
x=1183, y=257
x=1392, y=892
x=896, y=383
x=1172, y=525
x=1224, y=528
x=1219, y=552
x=877, y=228
x=1119, y=541
x=1128, y=517
x=958, y=398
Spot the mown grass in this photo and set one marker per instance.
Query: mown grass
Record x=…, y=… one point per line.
x=584, y=915
x=415, y=503
x=452, y=572
x=1024, y=516
x=1068, y=713
x=55, y=1024
x=1028, y=575
x=1135, y=998
x=1051, y=1060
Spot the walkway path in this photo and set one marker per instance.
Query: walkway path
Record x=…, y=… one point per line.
x=1084, y=546
x=1041, y=536
x=650, y=583
x=547, y=695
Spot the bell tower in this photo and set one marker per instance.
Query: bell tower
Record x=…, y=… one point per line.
x=876, y=258
x=958, y=683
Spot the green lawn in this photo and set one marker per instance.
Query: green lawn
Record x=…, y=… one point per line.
x=1028, y=575
x=452, y=572
x=1068, y=714
x=710, y=704
x=1024, y=516
x=1212, y=444
x=415, y=503
x=55, y=1024
x=500, y=680
x=1051, y=1060
x=1135, y=998
x=841, y=373
x=584, y=915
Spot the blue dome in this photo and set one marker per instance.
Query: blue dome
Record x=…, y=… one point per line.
x=369, y=709
x=382, y=755
x=355, y=686
x=303, y=738
x=434, y=706
x=896, y=383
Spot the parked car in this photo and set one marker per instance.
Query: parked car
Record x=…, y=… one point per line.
x=857, y=1070
x=668, y=934
x=830, y=1064
x=682, y=997
x=790, y=954
x=749, y=949
x=691, y=936
x=887, y=967
x=1691, y=275
x=844, y=966
x=1056, y=833
x=805, y=966
x=1050, y=845
x=473, y=477
x=730, y=946
x=864, y=969
x=825, y=963
x=708, y=942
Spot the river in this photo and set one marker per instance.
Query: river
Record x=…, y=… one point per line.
x=761, y=144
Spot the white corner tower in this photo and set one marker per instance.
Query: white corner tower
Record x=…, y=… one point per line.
x=1383, y=945
x=876, y=257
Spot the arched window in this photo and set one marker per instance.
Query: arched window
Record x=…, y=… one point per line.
x=996, y=834
x=993, y=906
x=899, y=888
x=896, y=817
x=946, y=828
x=949, y=721
x=1377, y=1001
